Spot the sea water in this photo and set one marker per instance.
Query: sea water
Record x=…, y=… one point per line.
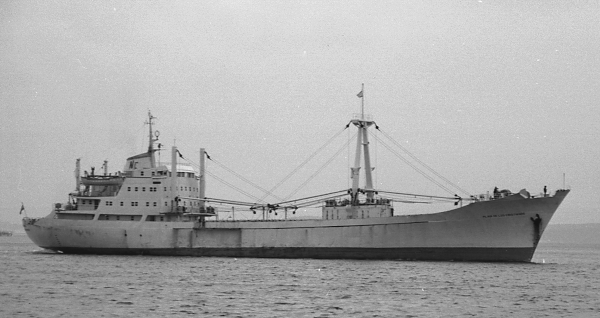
x=562, y=281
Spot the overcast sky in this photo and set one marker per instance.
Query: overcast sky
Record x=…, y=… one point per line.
x=488, y=93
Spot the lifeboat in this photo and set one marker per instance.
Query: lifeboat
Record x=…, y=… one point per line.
x=102, y=180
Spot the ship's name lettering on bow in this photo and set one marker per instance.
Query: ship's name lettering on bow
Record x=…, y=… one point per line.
x=502, y=215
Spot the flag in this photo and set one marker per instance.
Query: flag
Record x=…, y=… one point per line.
x=360, y=95
x=22, y=208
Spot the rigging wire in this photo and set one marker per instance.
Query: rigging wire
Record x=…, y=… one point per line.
x=243, y=178
x=343, y=192
x=242, y=203
x=413, y=166
x=233, y=187
x=221, y=180
x=232, y=202
x=422, y=163
x=320, y=169
x=309, y=201
x=418, y=195
x=304, y=163
x=375, y=166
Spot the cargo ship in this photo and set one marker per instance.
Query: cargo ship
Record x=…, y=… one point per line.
x=161, y=209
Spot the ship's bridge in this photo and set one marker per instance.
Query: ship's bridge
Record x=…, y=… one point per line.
x=141, y=161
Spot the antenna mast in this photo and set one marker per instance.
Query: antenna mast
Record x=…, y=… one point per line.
x=152, y=137
x=362, y=101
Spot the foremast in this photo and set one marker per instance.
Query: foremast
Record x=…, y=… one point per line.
x=371, y=206
x=362, y=122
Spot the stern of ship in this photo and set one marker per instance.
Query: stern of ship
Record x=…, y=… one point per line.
x=38, y=233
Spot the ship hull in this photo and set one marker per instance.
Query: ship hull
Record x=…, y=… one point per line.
x=502, y=230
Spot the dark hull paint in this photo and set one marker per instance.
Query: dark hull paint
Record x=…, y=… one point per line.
x=425, y=254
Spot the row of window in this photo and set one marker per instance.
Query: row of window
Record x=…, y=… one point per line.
x=165, y=173
x=186, y=174
x=113, y=217
x=118, y=217
x=135, y=203
x=155, y=189
x=157, y=173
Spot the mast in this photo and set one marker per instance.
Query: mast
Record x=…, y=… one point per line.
x=202, y=179
x=356, y=169
x=77, y=174
x=362, y=101
x=368, y=170
x=362, y=123
x=151, y=139
x=174, y=191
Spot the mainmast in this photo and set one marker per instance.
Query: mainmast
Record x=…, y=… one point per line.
x=362, y=122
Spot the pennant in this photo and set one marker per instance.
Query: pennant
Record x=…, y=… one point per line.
x=360, y=95
x=22, y=208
